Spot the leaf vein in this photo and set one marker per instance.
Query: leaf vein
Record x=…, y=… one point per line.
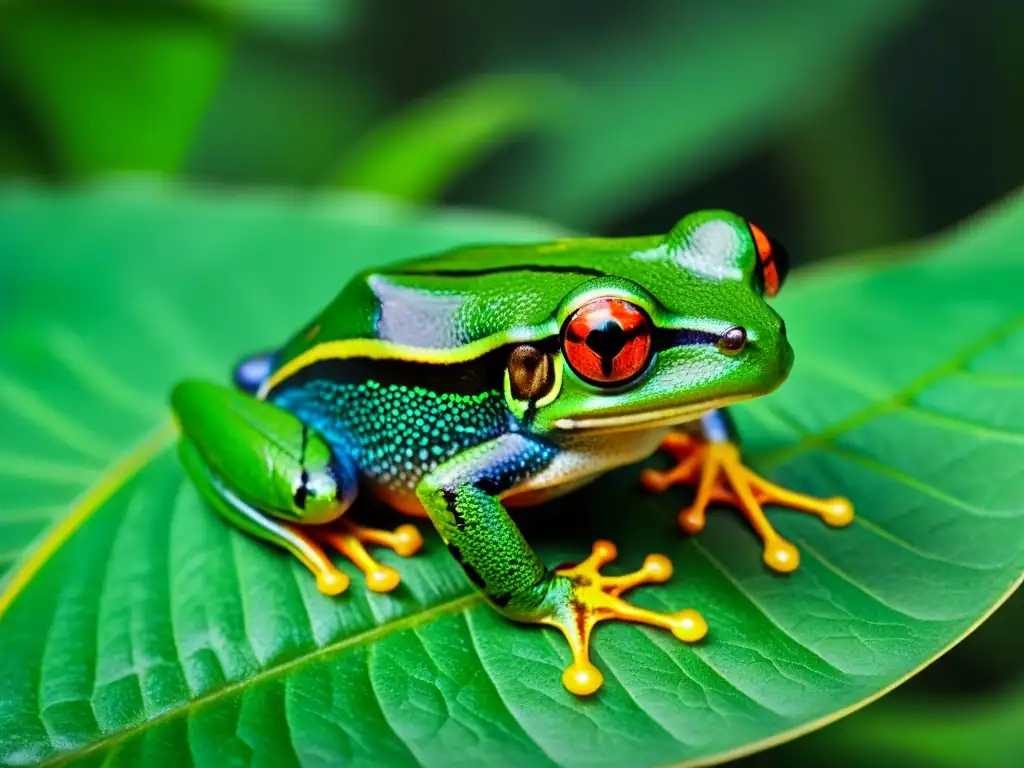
x=918, y=484
x=77, y=359
x=760, y=608
x=955, y=424
x=474, y=641
x=898, y=400
x=25, y=403
x=275, y=671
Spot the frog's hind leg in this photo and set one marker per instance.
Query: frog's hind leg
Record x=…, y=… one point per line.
x=713, y=462
x=329, y=579
x=274, y=476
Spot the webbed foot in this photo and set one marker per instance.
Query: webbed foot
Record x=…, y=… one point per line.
x=590, y=597
x=721, y=476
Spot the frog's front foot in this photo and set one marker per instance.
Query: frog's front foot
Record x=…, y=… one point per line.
x=721, y=476
x=350, y=539
x=583, y=597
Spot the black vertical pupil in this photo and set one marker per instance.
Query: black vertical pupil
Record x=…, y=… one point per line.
x=607, y=341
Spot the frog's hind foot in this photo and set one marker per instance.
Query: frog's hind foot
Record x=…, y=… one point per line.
x=595, y=597
x=329, y=579
x=721, y=476
x=350, y=539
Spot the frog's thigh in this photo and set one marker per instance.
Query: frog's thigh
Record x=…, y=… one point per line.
x=245, y=516
x=255, y=462
x=265, y=454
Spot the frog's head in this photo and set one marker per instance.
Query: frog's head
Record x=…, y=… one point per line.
x=670, y=331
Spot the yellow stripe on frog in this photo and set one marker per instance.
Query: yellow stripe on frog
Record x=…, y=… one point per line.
x=377, y=349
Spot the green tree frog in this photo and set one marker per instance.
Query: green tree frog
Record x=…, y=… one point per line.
x=461, y=385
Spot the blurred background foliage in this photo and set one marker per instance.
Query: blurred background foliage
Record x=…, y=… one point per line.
x=839, y=126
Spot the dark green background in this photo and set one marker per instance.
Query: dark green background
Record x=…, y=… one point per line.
x=838, y=126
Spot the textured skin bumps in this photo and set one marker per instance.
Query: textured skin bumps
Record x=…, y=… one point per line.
x=396, y=433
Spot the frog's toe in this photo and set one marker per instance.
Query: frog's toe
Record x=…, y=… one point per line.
x=406, y=540
x=837, y=512
x=688, y=455
x=594, y=597
x=781, y=556
x=350, y=540
x=382, y=579
x=692, y=519
x=582, y=678
x=331, y=581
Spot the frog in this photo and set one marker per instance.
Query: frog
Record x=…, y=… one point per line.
x=461, y=386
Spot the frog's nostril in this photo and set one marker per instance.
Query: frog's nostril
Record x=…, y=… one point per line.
x=782, y=327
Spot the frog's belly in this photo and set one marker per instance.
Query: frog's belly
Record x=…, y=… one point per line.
x=581, y=459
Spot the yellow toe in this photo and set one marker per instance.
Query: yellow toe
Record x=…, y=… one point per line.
x=689, y=626
x=780, y=555
x=691, y=520
x=657, y=568
x=839, y=512
x=382, y=579
x=653, y=480
x=582, y=678
x=332, y=582
x=604, y=550
x=408, y=540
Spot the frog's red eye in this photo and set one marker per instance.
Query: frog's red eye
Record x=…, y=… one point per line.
x=607, y=341
x=773, y=261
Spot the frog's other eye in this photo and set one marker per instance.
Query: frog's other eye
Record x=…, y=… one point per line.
x=772, y=261
x=607, y=341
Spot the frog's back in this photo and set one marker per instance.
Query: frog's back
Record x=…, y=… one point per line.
x=456, y=298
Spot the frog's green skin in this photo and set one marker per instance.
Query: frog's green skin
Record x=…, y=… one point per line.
x=400, y=388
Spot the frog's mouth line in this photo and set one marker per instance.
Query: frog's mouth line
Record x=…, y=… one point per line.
x=666, y=417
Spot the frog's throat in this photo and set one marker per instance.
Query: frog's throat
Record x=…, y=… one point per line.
x=664, y=417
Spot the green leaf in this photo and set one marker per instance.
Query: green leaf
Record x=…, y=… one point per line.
x=415, y=154
x=684, y=89
x=113, y=91
x=142, y=629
